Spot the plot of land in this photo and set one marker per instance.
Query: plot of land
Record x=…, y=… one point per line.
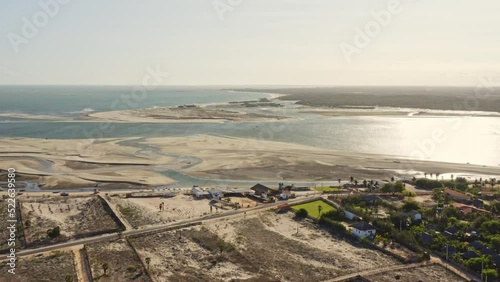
x=123, y=263
x=432, y=273
x=140, y=212
x=76, y=217
x=194, y=255
x=313, y=209
x=55, y=266
x=271, y=242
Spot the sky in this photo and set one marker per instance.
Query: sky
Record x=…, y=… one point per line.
x=250, y=42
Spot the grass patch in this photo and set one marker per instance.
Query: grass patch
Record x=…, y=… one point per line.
x=312, y=208
x=327, y=189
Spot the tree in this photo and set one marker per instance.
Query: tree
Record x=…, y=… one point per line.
x=148, y=261
x=387, y=188
x=105, y=267
x=301, y=213
x=424, y=183
x=490, y=227
x=476, y=263
x=490, y=274
x=399, y=187
x=356, y=183
x=400, y=219
x=365, y=183
x=335, y=214
x=319, y=209
x=339, y=180
x=393, y=188
x=392, y=179
x=68, y=278
x=352, y=179
x=410, y=205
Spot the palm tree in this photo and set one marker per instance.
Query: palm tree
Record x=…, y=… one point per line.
x=105, y=267
x=148, y=261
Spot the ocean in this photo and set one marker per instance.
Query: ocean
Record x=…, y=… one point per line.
x=464, y=139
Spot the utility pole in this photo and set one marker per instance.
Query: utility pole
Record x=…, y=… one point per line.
x=482, y=263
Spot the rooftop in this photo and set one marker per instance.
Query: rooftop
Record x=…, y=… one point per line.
x=363, y=226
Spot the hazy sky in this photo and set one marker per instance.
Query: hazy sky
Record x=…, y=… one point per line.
x=287, y=42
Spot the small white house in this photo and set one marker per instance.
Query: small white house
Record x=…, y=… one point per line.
x=363, y=230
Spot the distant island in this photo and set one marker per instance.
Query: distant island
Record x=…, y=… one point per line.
x=434, y=98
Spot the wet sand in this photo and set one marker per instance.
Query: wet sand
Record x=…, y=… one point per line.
x=85, y=162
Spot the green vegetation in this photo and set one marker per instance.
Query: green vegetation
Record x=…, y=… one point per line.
x=333, y=225
x=397, y=187
x=327, y=189
x=410, y=205
x=128, y=210
x=54, y=232
x=301, y=213
x=424, y=183
x=314, y=208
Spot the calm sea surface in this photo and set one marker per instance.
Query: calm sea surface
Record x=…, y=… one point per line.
x=453, y=139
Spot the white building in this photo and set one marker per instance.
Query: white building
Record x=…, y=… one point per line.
x=414, y=215
x=363, y=230
x=198, y=192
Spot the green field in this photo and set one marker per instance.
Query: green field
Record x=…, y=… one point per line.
x=327, y=189
x=312, y=208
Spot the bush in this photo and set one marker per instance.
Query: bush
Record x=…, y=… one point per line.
x=301, y=213
x=424, y=183
x=332, y=224
x=336, y=214
x=490, y=274
x=53, y=233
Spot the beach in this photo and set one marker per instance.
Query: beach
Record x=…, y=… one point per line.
x=180, y=114
x=63, y=164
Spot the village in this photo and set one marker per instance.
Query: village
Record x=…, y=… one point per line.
x=394, y=230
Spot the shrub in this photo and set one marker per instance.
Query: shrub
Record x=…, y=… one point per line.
x=490, y=274
x=301, y=213
x=424, y=183
x=336, y=214
x=332, y=224
x=53, y=233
